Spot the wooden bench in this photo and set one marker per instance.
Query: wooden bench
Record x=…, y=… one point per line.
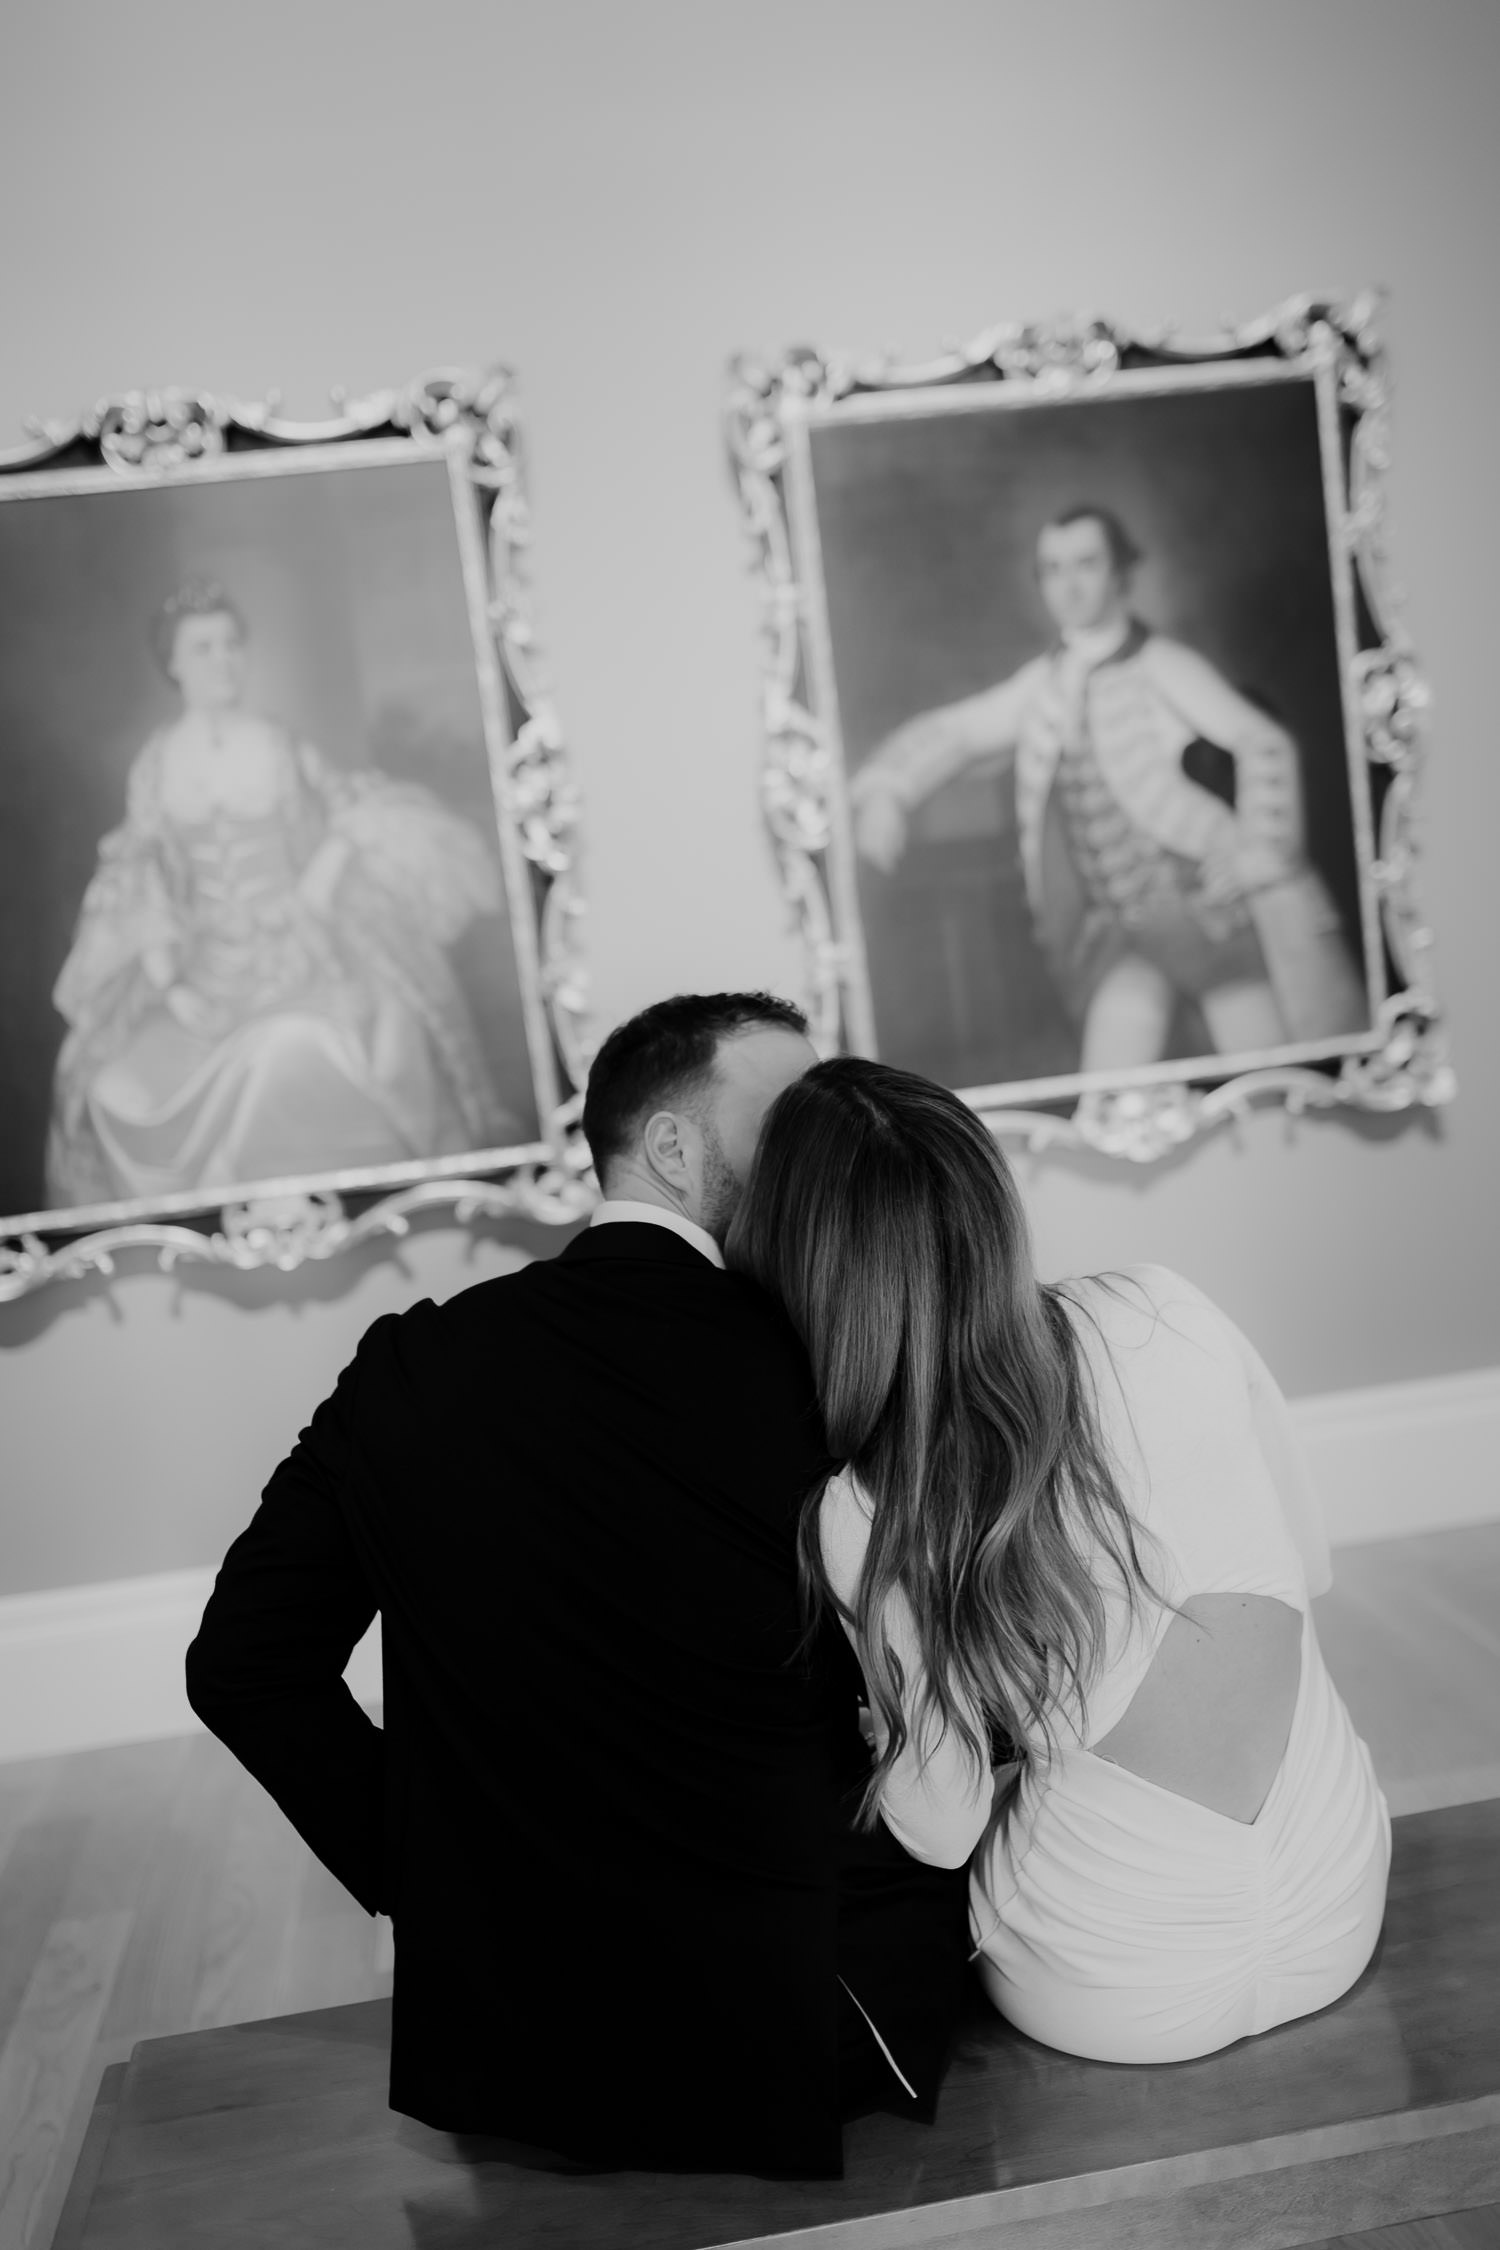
x=1383, y=2108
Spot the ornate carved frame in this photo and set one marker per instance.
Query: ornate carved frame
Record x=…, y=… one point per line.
x=771, y=408
x=471, y=420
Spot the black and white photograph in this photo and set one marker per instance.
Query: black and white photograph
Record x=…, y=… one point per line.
x=1103, y=808
x=259, y=919
x=749, y=1079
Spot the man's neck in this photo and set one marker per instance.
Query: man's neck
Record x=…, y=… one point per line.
x=637, y=1187
x=1094, y=642
x=616, y=1208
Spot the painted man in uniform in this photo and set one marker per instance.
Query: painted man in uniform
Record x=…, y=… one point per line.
x=1146, y=889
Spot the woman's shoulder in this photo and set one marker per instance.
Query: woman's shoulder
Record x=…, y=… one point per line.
x=1132, y=1306
x=1140, y=1288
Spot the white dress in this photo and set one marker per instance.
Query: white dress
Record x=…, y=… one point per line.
x=326, y=1037
x=1113, y=1918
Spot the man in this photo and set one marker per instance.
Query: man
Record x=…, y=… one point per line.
x=1146, y=888
x=610, y=1809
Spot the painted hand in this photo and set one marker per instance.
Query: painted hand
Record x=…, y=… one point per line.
x=159, y=963
x=1258, y=866
x=1235, y=870
x=879, y=828
x=192, y=1010
x=321, y=876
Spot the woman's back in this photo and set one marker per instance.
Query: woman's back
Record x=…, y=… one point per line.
x=1085, y=1509
x=1204, y=1853
x=1199, y=1702
x=1211, y=1717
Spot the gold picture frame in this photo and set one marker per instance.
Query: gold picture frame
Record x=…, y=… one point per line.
x=894, y=512
x=388, y=544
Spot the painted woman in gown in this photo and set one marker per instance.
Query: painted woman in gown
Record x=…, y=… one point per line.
x=259, y=985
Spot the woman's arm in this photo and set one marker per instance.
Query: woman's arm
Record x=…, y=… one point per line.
x=127, y=919
x=937, y=1796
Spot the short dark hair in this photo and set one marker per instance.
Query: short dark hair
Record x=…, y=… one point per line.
x=196, y=597
x=666, y=1054
x=1123, y=551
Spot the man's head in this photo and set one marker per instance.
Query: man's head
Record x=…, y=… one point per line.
x=1084, y=559
x=677, y=1095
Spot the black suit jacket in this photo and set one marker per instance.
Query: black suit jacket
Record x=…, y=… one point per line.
x=609, y=1809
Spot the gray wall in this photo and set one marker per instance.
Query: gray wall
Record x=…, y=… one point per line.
x=613, y=197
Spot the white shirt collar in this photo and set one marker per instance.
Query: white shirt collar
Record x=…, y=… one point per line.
x=1093, y=643
x=656, y=1215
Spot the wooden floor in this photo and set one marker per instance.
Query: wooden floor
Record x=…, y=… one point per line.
x=1460, y=2230
x=156, y=1889
x=1378, y=2110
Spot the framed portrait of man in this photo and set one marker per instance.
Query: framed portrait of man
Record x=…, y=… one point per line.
x=282, y=814
x=1083, y=709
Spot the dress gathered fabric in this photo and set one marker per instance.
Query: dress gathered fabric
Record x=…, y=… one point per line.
x=325, y=1038
x=1112, y=1917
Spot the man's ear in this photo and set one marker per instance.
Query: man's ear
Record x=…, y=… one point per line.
x=668, y=1145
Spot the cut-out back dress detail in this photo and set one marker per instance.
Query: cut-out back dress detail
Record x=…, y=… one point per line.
x=1113, y=1917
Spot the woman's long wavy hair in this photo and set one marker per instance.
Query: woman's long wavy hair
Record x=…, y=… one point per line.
x=883, y=1217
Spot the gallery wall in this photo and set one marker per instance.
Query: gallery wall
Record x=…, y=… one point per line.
x=614, y=195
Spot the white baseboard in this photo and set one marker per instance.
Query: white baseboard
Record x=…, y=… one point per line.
x=1406, y=1457
x=87, y=1666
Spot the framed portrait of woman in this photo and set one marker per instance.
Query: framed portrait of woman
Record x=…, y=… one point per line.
x=1090, y=735
x=285, y=830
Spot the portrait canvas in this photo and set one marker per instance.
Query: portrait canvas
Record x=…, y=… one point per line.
x=1100, y=811
x=263, y=919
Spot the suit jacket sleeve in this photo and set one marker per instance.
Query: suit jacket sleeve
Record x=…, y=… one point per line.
x=265, y=1673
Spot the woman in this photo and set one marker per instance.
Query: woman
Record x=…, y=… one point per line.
x=258, y=985
x=1074, y=1518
